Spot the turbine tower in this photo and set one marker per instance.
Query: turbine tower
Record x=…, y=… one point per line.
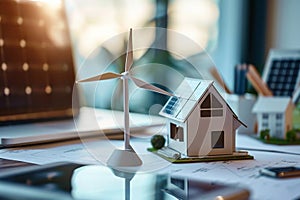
x=127, y=156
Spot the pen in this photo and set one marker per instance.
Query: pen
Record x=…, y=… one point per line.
x=256, y=81
x=240, y=81
x=214, y=72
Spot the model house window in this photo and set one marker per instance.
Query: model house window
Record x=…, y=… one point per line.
x=211, y=107
x=179, y=182
x=265, y=116
x=265, y=125
x=176, y=132
x=217, y=139
x=279, y=116
x=278, y=132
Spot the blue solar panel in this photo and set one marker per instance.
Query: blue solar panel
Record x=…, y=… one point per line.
x=169, y=109
x=283, y=76
x=282, y=71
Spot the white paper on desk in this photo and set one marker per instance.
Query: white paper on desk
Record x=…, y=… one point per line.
x=249, y=142
x=92, y=152
x=246, y=173
x=91, y=122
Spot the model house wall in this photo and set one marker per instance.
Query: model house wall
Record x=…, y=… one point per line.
x=200, y=122
x=209, y=129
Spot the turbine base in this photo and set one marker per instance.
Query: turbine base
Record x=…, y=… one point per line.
x=124, y=158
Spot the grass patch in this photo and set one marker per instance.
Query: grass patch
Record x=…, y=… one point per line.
x=279, y=141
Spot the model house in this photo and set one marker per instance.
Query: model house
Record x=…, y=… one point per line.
x=200, y=122
x=275, y=114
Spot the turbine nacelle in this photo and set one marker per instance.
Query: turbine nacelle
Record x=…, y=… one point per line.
x=125, y=75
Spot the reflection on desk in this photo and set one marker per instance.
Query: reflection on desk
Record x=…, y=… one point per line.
x=9, y=164
x=74, y=181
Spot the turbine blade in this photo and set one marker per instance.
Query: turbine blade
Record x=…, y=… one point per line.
x=129, y=54
x=148, y=86
x=104, y=76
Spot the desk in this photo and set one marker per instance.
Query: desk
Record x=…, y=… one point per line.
x=244, y=172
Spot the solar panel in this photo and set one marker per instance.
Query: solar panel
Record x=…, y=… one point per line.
x=282, y=72
x=187, y=96
x=36, y=64
x=171, y=106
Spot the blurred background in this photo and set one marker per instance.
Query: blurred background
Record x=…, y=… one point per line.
x=227, y=32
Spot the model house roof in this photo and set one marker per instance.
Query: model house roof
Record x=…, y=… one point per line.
x=271, y=104
x=186, y=98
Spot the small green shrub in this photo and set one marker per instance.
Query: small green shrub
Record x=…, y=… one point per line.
x=265, y=134
x=158, y=141
x=291, y=135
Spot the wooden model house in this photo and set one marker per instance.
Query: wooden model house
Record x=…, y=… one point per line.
x=275, y=114
x=200, y=122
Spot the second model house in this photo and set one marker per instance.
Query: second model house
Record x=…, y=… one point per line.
x=275, y=114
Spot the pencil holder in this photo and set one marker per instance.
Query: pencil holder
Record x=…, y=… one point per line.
x=242, y=106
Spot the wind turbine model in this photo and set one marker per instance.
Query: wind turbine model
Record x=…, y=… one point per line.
x=127, y=156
